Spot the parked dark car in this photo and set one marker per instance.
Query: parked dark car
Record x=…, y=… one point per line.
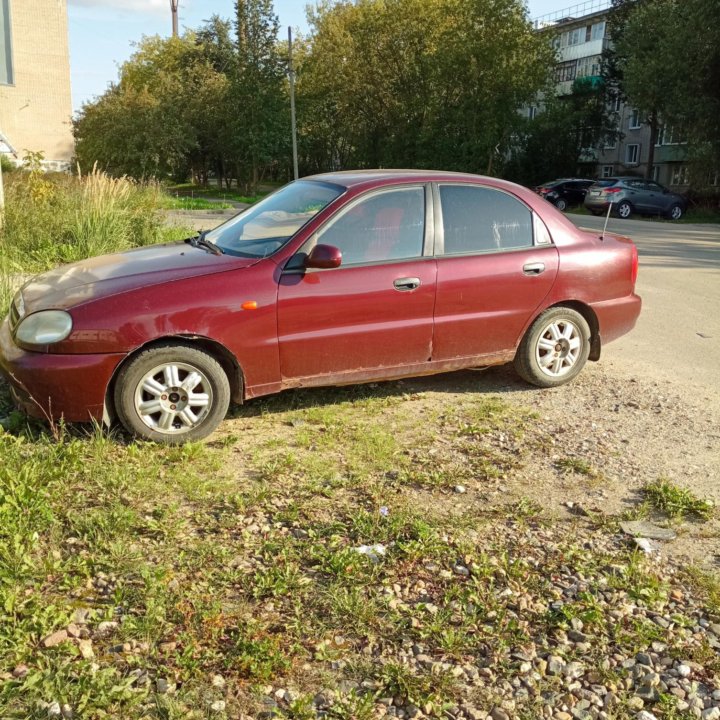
x=334, y=279
x=630, y=195
x=564, y=193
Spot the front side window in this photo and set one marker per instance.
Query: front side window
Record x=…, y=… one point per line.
x=479, y=219
x=266, y=226
x=6, y=69
x=389, y=225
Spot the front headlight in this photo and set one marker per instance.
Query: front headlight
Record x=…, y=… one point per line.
x=44, y=328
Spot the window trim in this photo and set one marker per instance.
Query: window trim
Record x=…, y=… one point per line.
x=634, y=112
x=439, y=249
x=610, y=173
x=428, y=233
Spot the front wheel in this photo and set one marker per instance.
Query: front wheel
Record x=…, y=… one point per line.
x=172, y=394
x=624, y=210
x=555, y=348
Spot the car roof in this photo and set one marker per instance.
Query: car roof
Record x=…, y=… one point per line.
x=369, y=178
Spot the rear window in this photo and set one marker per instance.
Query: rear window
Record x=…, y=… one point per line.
x=606, y=182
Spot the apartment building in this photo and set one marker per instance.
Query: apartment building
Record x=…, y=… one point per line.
x=580, y=37
x=35, y=101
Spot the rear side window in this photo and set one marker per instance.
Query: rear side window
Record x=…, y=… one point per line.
x=606, y=182
x=479, y=219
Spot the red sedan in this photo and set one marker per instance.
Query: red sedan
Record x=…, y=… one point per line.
x=337, y=278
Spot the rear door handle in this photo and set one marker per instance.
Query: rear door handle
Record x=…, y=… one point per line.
x=404, y=284
x=533, y=268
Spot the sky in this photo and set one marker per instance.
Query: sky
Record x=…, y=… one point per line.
x=102, y=32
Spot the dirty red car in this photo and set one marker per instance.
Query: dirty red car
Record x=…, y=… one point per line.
x=333, y=279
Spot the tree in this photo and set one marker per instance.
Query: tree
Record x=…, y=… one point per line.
x=418, y=82
x=665, y=59
x=261, y=125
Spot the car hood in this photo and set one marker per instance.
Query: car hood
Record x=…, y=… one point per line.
x=88, y=280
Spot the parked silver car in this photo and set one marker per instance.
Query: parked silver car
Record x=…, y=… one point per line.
x=630, y=195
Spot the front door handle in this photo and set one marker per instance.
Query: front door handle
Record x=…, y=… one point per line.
x=533, y=268
x=404, y=284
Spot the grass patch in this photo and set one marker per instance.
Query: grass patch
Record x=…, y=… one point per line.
x=192, y=203
x=677, y=502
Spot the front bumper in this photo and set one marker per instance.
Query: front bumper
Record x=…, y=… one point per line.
x=53, y=386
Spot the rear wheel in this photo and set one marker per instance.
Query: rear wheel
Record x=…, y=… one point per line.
x=624, y=210
x=172, y=394
x=676, y=212
x=555, y=348
x=561, y=204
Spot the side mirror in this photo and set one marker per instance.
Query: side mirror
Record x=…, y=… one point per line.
x=324, y=257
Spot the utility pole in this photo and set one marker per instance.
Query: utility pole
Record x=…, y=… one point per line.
x=174, y=10
x=291, y=75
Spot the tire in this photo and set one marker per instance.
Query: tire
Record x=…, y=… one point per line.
x=561, y=204
x=554, y=349
x=675, y=212
x=624, y=210
x=172, y=394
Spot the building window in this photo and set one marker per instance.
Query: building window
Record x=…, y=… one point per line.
x=656, y=173
x=634, y=123
x=6, y=68
x=632, y=154
x=598, y=31
x=610, y=143
x=565, y=71
x=607, y=171
x=680, y=175
x=588, y=66
x=616, y=104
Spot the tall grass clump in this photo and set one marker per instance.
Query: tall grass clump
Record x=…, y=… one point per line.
x=61, y=218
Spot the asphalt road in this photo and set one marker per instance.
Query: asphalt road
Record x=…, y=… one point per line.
x=677, y=337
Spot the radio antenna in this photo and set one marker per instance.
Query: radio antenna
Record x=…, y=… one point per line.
x=607, y=217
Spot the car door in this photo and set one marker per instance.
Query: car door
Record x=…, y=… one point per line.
x=496, y=265
x=638, y=195
x=373, y=315
x=657, y=198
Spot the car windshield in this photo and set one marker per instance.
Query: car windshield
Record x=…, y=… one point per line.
x=266, y=226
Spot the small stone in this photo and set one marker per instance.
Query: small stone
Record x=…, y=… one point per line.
x=459, y=489
x=20, y=671
x=684, y=670
x=54, y=639
x=54, y=710
x=218, y=681
x=67, y=711
x=644, y=659
x=555, y=665
x=162, y=686
x=574, y=670
x=645, y=715
x=218, y=706
x=106, y=627
x=86, y=649
x=81, y=615
x=712, y=713
x=714, y=628
x=499, y=714
x=73, y=630
x=562, y=716
x=642, y=528
x=461, y=570
x=167, y=647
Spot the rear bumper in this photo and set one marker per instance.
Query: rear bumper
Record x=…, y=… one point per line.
x=617, y=317
x=56, y=386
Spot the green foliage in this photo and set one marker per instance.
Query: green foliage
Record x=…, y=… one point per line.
x=677, y=502
x=417, y=83
x=665, y=59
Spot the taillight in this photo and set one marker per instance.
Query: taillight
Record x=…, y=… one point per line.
x=612, y=190
x=543, y=191
x=635, y=264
